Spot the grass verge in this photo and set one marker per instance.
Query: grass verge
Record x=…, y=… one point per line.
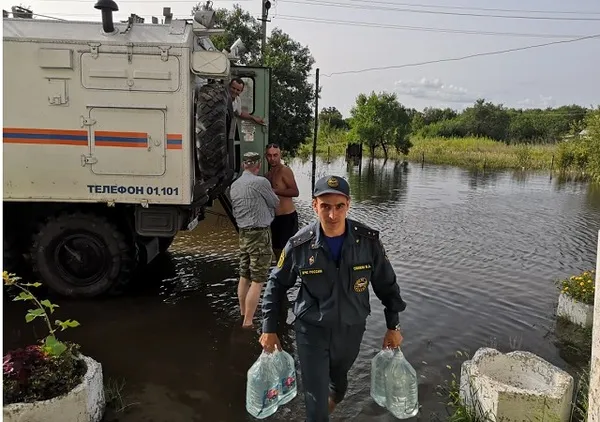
x=468, y=152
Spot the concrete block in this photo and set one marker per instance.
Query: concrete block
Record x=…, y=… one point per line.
x=85, y=403
x=577, y=312
x=515, y=387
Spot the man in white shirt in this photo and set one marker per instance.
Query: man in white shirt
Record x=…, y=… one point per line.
x=236, y=87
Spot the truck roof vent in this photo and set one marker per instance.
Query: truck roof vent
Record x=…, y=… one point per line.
x=107, y=7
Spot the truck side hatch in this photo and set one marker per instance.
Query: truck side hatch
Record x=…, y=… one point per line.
x=145, y=72
x=128, y=141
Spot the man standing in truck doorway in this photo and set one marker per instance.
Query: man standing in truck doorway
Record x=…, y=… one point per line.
x=253, y=202
x=283, y=182
x=236, y=87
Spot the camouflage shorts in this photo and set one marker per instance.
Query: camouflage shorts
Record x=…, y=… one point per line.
x=256, y=254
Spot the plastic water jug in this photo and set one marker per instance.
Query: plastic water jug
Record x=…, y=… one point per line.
x=263, y=386
x=401, y=387
x=287, y=376
x=379, y=365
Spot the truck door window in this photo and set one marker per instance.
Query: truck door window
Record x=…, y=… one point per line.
x=247, y=95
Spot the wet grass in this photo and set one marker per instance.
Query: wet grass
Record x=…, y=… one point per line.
x=581, y=403
x=463, y=152
x=116, y=399
x=574, y=342
x=456, y=407
x=481, y=153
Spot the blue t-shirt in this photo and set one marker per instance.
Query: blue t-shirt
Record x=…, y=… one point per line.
x=335, y=246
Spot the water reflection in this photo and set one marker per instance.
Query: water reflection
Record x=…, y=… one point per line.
x=380, y=182
x=476, y=255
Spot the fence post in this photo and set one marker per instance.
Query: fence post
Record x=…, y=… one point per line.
x=594, y=394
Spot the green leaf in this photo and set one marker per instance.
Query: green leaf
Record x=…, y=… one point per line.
x=54, y=347
x=49, y=305
x=33, y=314
x=67, y=324
x=36, y=284
x=24, y=296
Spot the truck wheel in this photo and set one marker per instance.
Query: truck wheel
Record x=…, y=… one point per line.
x=81, y=255
x=211, y=136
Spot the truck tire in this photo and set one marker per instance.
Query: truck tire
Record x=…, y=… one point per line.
x=81, y=255
x=211, y=137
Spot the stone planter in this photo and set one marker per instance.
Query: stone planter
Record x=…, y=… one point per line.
x=576, y=312
x=85, y=403
x=515, y=387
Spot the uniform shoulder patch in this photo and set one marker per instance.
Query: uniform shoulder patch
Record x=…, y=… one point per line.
x=303, y=236
x=365, y=231
x=281, y=259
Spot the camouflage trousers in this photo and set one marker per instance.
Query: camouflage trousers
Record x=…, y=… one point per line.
x=256, y=254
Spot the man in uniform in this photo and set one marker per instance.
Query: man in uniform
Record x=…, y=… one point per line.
x=254, y=204
x=336, y=259
x=285, y=223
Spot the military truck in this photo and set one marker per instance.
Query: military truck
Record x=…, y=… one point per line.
x=115, y=140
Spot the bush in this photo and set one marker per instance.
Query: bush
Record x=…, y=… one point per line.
x=581, y=288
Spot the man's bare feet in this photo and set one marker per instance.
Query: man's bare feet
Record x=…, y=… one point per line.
x=332, y=405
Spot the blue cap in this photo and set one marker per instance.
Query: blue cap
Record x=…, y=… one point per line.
x=331, y=184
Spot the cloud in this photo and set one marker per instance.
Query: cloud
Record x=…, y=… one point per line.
x=435, y=89
x=541, y=102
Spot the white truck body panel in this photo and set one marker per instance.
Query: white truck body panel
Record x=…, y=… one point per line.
x=113, y=112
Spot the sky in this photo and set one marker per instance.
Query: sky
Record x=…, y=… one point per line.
x=354, y=35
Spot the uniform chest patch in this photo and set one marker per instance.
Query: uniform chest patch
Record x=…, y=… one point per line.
x=361, y=285
x=361, y=267
x=311, y=271
x=311, y=260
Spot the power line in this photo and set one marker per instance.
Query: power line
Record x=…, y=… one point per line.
x=436, y=6
x=490, y=53
x=421, y=28
x=143, y=1
x=395, y=9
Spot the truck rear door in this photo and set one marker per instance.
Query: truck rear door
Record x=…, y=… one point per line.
x=256, y=101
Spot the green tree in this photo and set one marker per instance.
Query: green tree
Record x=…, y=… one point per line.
x=238, y=23
x=292, y=95
x=486, y=119
x=434, y=115
x=380, y=120
x=592, y=140
x=332, y=118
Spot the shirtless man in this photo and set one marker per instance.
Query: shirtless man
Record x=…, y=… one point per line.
x=285, y=224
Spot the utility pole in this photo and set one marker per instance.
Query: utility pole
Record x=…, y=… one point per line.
x=315, y=131
x=266, y=5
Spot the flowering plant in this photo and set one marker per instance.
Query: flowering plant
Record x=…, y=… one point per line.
x=44, y=371
x=580, y=287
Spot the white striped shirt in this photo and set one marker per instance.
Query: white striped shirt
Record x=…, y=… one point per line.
x=253, y=201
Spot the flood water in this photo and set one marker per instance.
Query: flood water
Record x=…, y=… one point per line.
x=476, y=254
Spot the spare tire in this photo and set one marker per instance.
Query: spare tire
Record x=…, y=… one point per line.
x=211, y=136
